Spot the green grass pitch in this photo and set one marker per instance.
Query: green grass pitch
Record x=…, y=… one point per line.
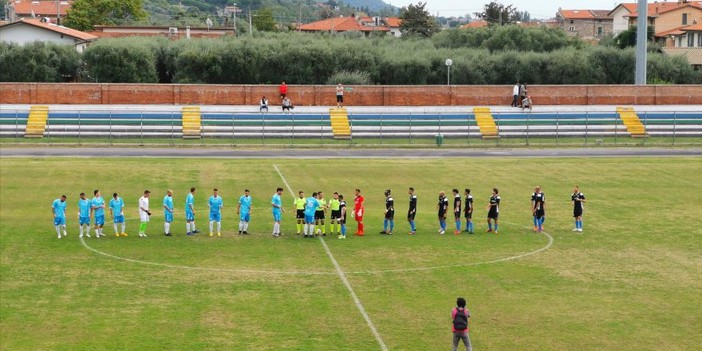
x=630, y=281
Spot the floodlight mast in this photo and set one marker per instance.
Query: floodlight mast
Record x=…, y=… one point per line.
x=641, y=42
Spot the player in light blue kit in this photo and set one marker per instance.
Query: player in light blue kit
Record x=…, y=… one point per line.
x=98, y=208
x=277, y=208
x=84, y=206
x=168, y=212
x=215, y=204
x=58, y=208
x=244, y=211
x=190, y=213
x=117, y=212
x=310, y=208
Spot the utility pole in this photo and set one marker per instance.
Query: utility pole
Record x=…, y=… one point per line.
x=299, y=19
x=641, y=43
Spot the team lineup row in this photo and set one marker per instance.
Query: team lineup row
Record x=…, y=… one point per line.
x=310, y=212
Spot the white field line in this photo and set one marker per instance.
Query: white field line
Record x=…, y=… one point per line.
x=292, y=272
x=343, y=278
x=164, y=265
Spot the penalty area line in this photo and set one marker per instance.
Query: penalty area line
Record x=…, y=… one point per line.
x=343, y=277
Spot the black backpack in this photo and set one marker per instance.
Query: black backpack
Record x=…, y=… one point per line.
x=460, y=322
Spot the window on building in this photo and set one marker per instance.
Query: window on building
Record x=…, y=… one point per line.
x=571, y=21
x=572, y=29
x=699, y=39
x=600, y=31
x=690, y=39
x=684, y=19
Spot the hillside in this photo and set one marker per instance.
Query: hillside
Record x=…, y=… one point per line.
x=372, y=5
x=284, y=11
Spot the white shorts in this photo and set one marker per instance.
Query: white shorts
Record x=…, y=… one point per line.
x=143, y=217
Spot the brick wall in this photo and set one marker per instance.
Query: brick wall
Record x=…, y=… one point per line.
x=317, y=95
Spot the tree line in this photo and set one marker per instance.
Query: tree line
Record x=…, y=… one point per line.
x=489, y=56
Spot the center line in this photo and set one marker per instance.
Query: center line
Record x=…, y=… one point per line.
x=343, y=278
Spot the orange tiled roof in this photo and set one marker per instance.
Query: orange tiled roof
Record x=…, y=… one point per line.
x=576, y=14
x=40, y=8
x=475, y=24
x=695, y=27
x=339, y=24
x=674, y=31
x=663, y=7
x=393, y=22
x=58, y=29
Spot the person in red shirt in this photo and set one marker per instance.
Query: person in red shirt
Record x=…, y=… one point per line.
x=459, y=316
x=358, y=211
x=283, y=90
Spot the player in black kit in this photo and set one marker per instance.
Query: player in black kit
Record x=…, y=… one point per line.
x=493, y=210
x=389, y=214
x=538, y=209
x=578, y=199
x=457, y=203
x=412, y=211
x=442, y=208
x=468, y=210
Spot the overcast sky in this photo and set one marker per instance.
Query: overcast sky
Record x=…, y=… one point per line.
x=537, y=8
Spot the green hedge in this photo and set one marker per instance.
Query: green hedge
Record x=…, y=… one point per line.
x=38, y=62
x=299, y=58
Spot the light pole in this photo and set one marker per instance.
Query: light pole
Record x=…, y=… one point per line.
x=641, y=43
x=449, y=63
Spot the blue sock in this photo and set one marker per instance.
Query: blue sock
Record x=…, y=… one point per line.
x=442, y=224
x=392, y=225
x=412, y=225
x=343, y=229
x=495, y=226
x=536, y=221
x=490, y=225
x=385, y=225
x=580, y=224
x=471, y=226
x=458, y=225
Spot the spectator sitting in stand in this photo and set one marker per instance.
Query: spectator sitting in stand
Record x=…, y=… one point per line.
x=526, y=103
x=287, y=104
x=263, y=104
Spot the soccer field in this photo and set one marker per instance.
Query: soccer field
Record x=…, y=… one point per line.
x=630, y=281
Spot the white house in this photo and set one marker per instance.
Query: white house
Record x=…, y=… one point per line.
x=31, y=30
x=620, y=16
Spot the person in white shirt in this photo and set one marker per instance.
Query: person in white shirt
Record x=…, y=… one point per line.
x=339, y=96
x=263, y=104
x=515, y=95
x=144, y=213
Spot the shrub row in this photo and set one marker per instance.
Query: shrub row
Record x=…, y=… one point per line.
x=324, y=59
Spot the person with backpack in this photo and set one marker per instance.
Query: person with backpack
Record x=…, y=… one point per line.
x=460, y=316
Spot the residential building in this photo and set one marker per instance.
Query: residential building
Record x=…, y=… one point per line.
x=667, y=18
x=160, y=31
x=475, y=24
x=51, y=9
x=590, y=25
x=30, y=30
x=393, y=24
x=620, y=17
x=365, y=25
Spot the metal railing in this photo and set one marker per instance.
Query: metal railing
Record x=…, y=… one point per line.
x=313, y=129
